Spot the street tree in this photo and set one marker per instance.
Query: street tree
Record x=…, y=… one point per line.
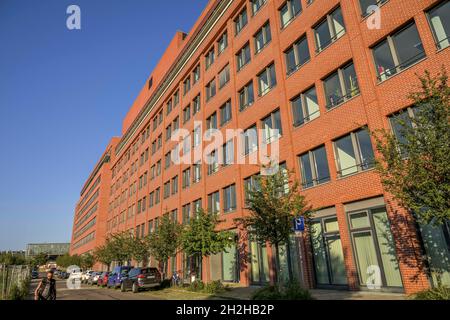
x=414, y=164
x=103, y=254
x=201, y=237
x=165, y=241
x=273, y=203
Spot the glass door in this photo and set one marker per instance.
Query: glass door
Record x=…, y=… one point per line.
x=259, y=263
x=328, y=255
x=374, y=249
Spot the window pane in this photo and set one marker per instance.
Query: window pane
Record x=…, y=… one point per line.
x=384, y=62
x=307, y=177
x=323, y=35
x=290, y=60
x=312, y=105
x=409, y=46
x=346, y=156
x=365, y=147
x=333, y=90
x=299, y=117
x=303, y=51
x=440, y=23
x=323, y=172
x=338, y=23
x=350, y=80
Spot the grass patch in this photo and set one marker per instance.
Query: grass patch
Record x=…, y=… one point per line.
x=291, y=291
x=438, y=293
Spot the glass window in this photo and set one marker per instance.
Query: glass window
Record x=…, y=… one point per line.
x=214, y=202
x=196, y=105
x=243, y=56
x=305, y=107
x=210, y=89
x=246, y=96
x=365, y=4
x=297, y=55
x=225, y=113
x=262, y=37
x=250, y=140
x=267, y=80
x=354, y=153
x=256, y=5
x=272, y=127
x=228, y=153
x=341, y=86
x=229, y=198
x=439, y=18
x=241, y=21
x=289, y=11
x=224, y=76
x=314, y=167
x=329, y=30
x=197, y=172
x=209, y=58
x=222, y=43
x=398, y=52
x=196, y=74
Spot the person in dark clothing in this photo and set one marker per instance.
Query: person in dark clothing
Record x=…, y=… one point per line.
x=46, y=290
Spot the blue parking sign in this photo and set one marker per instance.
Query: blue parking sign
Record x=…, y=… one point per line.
x=299, y=224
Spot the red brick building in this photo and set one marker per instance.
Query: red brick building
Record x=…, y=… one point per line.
x=320, y=71
x=91, y=211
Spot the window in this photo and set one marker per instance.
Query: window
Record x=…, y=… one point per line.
x=243, y=56
x=169, y=107
x=151, y=199
x=267, y=80
x=354, y=153
x=144, y=204
x=341, y=86
x=262, y=37
x=250, y=184
x=196, y=172
x=241, y=21
x=289, y=11
x=210, y=89
x=175, y=185
x=225, y=113
x=228, y=153
x=196, y=74
x=397, y=122
x=439, y=18
x=246, y=96
x=209, y=58
x=366, y=4
x=224, y=76
x=214, y=202
x=186, y=213
x=186, y=182
x=158, y=168
x=196, y=206
x=176, y=98
x=167, y=160
x=213, y=162
x=197, y=136
x=250, y=140
x=297, y=55
x=222, y=43
x=398, y=52
x=329, y=30
x=229, y=198
x=166, y=189
x=159, y=141
x=175, y=124
x=272, y=127
x=187, y=85
x=211, y=122
x=168, y=132
x=186, y=114
x=196, y=105
x=314, y=167
x=157, y=195
x=256, y=5
x=305, y=107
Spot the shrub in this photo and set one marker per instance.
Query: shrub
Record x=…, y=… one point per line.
x=196, y=286
x=291, y=291
x=19, y=291
x=214, y=287
x=438, y=293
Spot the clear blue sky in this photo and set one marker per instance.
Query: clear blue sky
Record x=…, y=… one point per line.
x=63, y=95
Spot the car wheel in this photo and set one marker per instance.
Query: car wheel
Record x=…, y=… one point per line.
x=135, y=288
x=122, y=288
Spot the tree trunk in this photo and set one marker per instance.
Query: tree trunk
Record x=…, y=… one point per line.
x=277, y=264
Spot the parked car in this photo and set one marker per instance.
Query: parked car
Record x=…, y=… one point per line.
x=34, y=274
x=93, y=278
x=103, y=279
x=118, y=274
x=141, y=278
x=85, y=276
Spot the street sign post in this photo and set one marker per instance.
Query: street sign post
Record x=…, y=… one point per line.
x=299, y=228
x=299, y=224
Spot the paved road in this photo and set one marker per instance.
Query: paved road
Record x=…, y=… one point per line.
x=90, y=293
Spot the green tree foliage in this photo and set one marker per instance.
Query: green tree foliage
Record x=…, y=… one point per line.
x=103, y=254
x=121, y=246
x=87, y=261
x=200, y=237
x=416, y=168
x=67, y=260
x=273, y=205
x=165, y=242
x=39, y=260
x=10, y=258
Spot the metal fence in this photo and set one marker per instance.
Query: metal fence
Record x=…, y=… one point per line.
x=11, y=276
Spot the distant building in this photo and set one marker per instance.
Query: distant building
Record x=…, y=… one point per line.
x=53, y=250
